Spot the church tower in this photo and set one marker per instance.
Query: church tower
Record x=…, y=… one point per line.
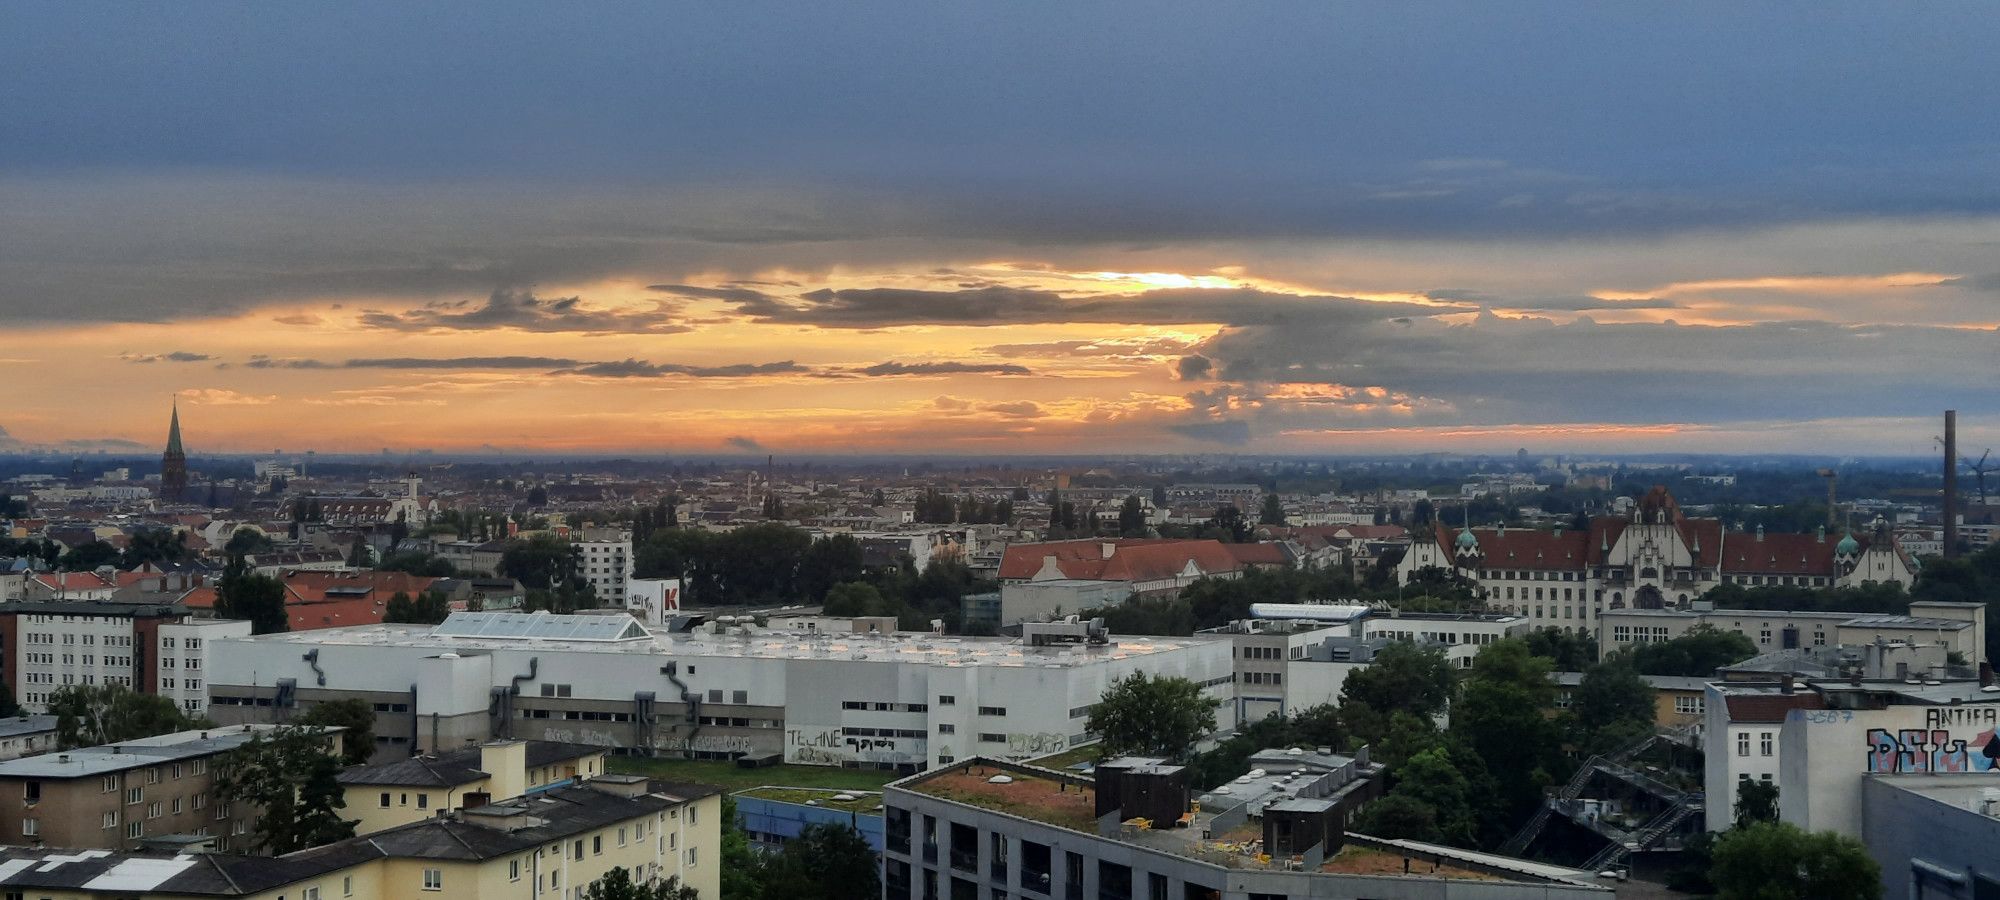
x=173, y=463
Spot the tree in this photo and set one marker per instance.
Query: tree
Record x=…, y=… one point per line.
x=1433, y=779
x=258, y=598
x=1229, y=525
x=742, y=867
x=357, y=743
x=1779, y=861
x=1572, y=652
x=1399, y=816
x=8, y=708
x=1697, y=653
x=541, y=562
x=828, y=562
x=825, y=862
x=1273, y=512
x=150, y=545
x=855, y=598
x=245, y=541
x=1147, y=716
x=1612, y=705
x=291, y=776
x=360, y=554
x=1500, y=718
x=1403, y=677
x=89, y=555
x=1132, y=517
x=1756, y=801
x=88, y=715
x=617, y=884
x=428, y=608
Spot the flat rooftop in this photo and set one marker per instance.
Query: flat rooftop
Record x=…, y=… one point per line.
x=901, y=647
x=133, y=754
x=1069, y=801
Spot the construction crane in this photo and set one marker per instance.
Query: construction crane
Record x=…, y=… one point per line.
x=1979, y=470
x=1831, y=476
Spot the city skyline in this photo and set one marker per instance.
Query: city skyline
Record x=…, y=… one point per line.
x=1032, y=231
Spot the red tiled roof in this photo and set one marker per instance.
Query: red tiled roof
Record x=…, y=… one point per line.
x=313, y=587
x=1258, y=554
x=1778, y=554
x=1129, y=560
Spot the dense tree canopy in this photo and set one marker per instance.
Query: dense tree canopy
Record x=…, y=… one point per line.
x=290, y=777
x=1152, y=716
x=1779, y=861
x=260, y=599
x=1697, y=653
x=91, y=714
x=617, y=884
x=354, y=714
x=1501, y=718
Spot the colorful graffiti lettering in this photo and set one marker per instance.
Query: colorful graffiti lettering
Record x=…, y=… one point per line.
x=1935, y=751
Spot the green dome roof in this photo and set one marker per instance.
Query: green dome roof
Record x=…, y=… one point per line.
x=1848, y=545
x=1466, y=541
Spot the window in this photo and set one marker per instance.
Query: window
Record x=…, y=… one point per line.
x=1764, y=744
x=31, y=791
x=433, y=879
x=30, y=827
x=513, y=870
x=135, y=795
x=597, y=845
x=135, y=829
x=1686, y=705
x=993, y=710
x=311, y=893
x=111, y=819
x=690, y=857
x=947, y=700
x=385, y=799
x=1743, y=744
x=992, y=738
x=947, y=728
x=346, y=885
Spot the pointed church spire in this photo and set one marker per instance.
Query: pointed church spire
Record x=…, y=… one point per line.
x=174, y=429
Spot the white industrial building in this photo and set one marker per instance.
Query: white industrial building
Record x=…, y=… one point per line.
x=896, y=701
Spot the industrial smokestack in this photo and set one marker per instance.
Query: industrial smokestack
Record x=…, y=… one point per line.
x=1951, y=484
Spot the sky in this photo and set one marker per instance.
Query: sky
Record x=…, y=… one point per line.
x=1023, y=227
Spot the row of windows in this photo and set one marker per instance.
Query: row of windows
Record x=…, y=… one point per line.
x=883, y=732
x=885, y=707
x=1766, y=743
x=1263, y=653
x=1263, y=678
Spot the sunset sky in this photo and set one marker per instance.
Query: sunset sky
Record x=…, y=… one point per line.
x=1000, y=228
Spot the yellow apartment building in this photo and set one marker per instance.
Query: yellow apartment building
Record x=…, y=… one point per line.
x=408, y=790
x=545, y=846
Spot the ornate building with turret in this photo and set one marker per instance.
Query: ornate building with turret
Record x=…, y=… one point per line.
x=173, y=463
x=1657, y=558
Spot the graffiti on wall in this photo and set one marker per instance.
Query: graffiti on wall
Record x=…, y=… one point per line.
x=580, y=736
x=815, y=745
x=708, y=743
x=1933, y=751
x=1036, y=744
